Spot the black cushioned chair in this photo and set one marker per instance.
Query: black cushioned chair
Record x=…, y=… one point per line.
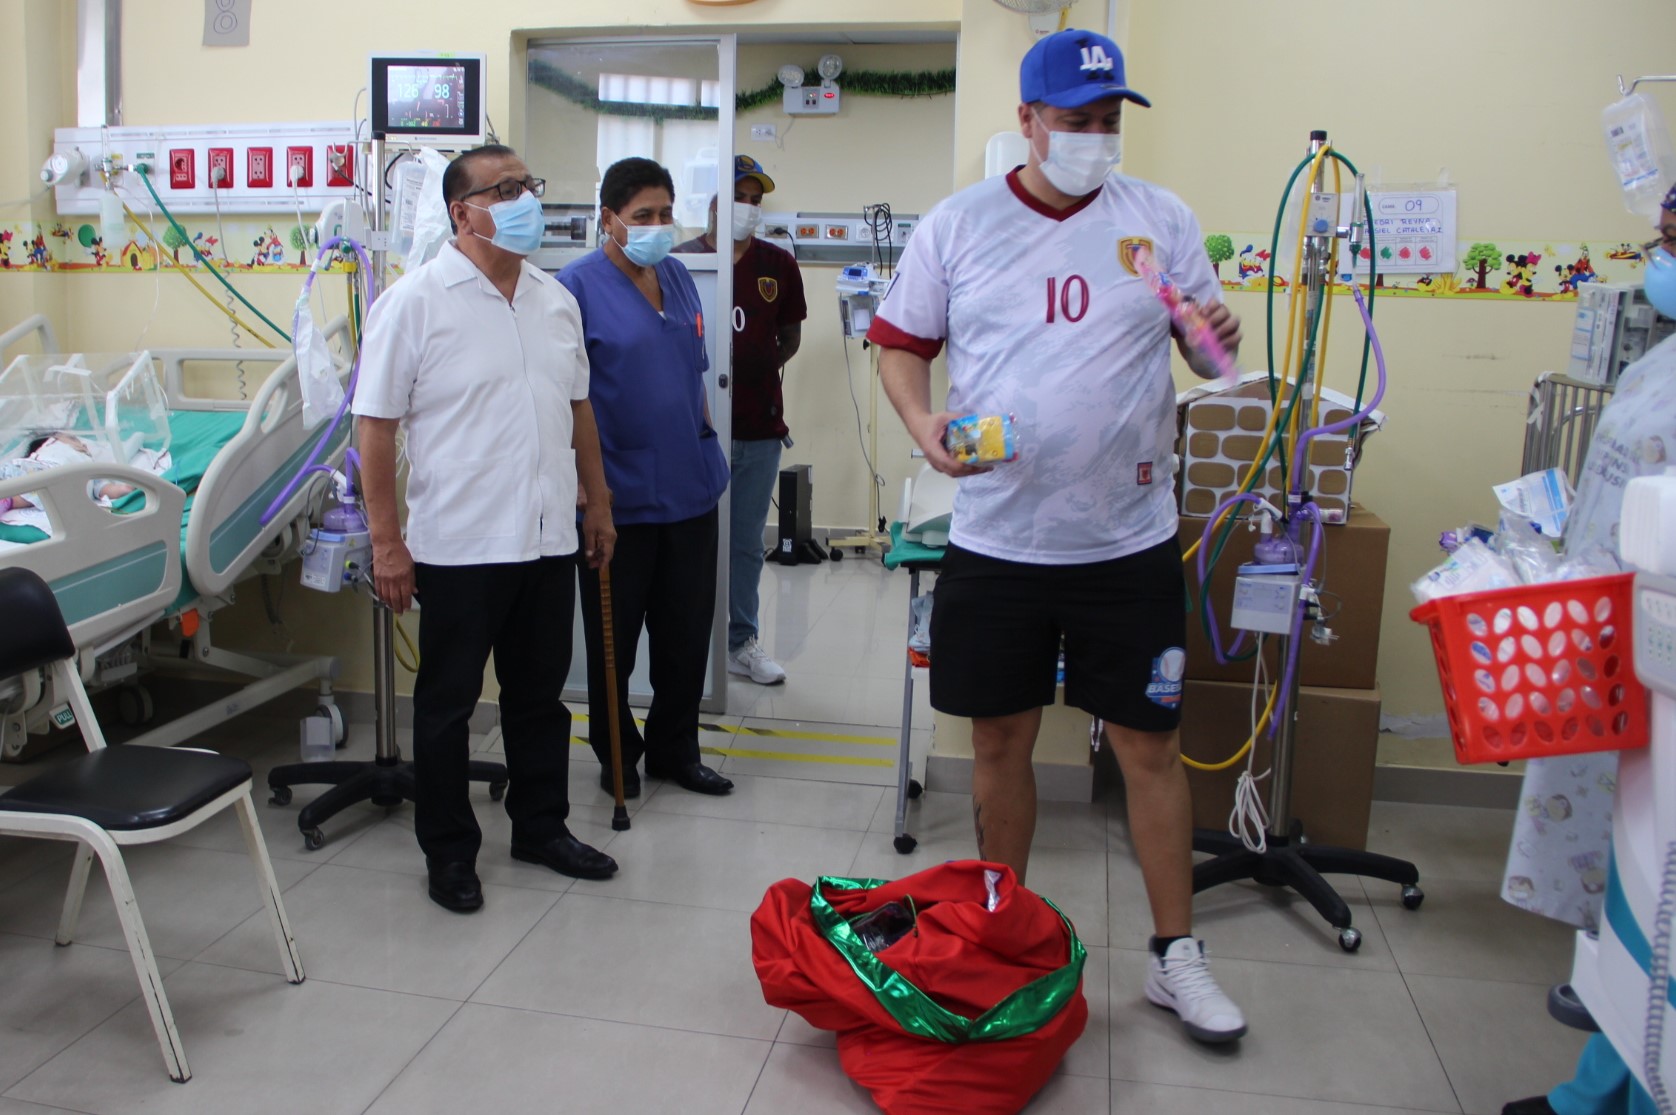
x=116, y=796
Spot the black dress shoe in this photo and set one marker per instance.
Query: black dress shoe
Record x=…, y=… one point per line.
x=696, y=777
x=1535, y=1105
x=631, y=782
x=568, y=856
x=454, y=886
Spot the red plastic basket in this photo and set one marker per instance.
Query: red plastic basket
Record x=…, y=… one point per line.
x=1539, y=670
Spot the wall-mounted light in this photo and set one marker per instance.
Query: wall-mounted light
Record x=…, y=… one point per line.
x=830, y=66
x=791, y=76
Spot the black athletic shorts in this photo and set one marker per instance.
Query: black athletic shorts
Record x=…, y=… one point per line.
x=996, y=628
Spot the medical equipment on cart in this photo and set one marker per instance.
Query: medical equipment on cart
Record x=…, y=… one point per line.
x=338, y=551
x=859, y=293
x=1277, y=598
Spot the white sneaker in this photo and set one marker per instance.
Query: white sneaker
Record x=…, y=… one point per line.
x=1180, y=981
x=751, y=661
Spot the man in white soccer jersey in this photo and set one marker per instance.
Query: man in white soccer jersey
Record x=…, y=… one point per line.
x=1030, y=279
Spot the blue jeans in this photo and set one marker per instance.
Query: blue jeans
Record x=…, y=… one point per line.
x=756, y=465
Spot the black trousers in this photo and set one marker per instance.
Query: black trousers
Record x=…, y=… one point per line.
x=663, y=579
x=522, y=614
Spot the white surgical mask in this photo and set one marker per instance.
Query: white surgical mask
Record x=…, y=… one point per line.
x=1077, y=162
x=746, y=220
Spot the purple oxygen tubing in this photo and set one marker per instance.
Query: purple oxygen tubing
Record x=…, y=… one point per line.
x=309, y=465
x=1313, y=514
x=1298, y=451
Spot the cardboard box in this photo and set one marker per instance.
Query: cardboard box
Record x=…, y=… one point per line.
x=1354, y=559
x=1221, y=434
x=1332, y=766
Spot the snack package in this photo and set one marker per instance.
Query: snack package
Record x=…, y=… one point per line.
x=982, y=439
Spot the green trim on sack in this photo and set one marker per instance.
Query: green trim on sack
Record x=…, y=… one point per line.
x=1023, y=1012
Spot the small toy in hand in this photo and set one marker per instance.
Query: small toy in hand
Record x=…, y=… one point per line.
x=982, y=440
x=1187, y=317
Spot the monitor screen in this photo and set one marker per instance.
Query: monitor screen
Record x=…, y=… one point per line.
x=428, y=97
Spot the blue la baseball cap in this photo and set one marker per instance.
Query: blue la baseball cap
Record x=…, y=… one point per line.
x=746, y=167
x=1070, y=68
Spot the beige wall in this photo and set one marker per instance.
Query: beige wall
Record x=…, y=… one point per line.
x=875, y=150
x=1503, y=93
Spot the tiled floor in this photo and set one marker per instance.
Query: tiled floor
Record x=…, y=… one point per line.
x=637, y=995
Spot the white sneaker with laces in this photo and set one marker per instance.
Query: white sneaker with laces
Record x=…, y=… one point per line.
x=751, y=661
x=1180, y=981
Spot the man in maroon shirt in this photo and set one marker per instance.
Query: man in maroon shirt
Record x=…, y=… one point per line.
x=768, y=313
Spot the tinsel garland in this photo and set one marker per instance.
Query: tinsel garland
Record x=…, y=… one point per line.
x=867, y=83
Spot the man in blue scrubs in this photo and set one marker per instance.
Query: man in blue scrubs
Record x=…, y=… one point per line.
x=643, y=328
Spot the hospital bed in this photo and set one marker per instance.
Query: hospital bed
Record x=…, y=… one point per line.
x=160, y=563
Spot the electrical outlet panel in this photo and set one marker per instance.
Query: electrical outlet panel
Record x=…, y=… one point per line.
x=182, y=168
x=836, y=232
x=219, y=168
x=238, y=168
x=259, y=167
x=340, y=165
x=299, y=167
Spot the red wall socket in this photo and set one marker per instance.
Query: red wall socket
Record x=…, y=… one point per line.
x=299, y=167
x=259, y=167
x=340, y=165
x=220, y=168
x=182, y=168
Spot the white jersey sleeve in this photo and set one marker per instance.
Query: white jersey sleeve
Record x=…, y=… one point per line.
x=1189, y=262
x=914, y=314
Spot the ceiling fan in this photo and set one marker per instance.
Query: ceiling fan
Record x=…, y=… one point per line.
x=1046, y=16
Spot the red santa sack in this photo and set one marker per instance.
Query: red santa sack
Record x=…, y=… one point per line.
x=954, y=990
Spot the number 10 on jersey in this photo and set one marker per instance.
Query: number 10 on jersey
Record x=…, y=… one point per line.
x=1067, y=300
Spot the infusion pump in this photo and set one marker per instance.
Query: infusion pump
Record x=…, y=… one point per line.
x=1615, y=326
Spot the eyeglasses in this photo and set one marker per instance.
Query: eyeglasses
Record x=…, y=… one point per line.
x=512, y=189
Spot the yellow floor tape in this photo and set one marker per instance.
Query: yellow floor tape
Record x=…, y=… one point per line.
x=781, y=733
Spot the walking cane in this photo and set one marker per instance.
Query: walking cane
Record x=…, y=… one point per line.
x=619, y=815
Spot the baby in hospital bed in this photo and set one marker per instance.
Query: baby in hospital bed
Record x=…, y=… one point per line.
x=53, y=450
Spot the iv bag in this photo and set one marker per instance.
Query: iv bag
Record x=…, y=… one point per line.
x=1642, y=155
x=317, y=375
x=429, y=220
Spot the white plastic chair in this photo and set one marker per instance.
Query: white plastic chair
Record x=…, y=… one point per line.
x=118, y=796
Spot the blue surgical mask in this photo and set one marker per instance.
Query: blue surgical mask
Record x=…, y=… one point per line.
x=648, y=244
x=518, y=223
x=1660, y=281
